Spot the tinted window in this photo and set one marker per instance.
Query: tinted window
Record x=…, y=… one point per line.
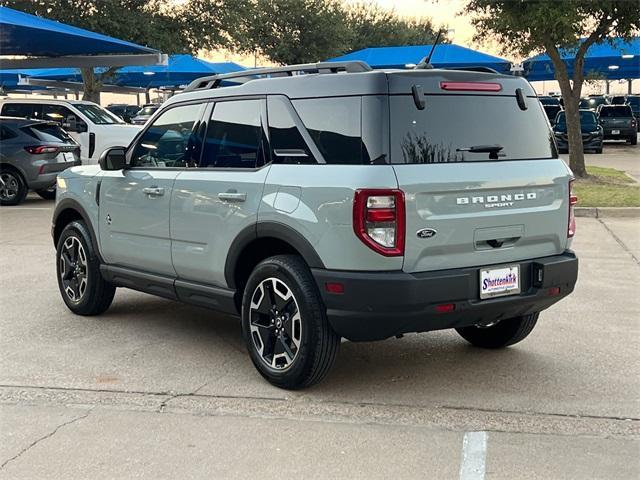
x=621, y=111
x=335, y=126
x=549, y=101
x=450, y=124
x=97, y=114
x=21, y=110
x=150, y=110
x=234, y=136
x=633, y=101
x=6, y=133
x=170, y=140
x=47, y=132
x=287, y=143
x=618, y=101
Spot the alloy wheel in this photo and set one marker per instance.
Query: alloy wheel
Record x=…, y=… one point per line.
x=275, y=323
x=9, y=186
x=73, y=269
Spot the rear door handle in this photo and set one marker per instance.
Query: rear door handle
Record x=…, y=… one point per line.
x=153, y=191
x=232, y=196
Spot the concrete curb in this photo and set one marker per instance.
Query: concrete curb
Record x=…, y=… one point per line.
x=608, y=212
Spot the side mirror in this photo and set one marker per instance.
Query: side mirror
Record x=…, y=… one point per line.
x=113, y=158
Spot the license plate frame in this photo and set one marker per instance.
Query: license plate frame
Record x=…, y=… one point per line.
x=615, y=132
x=498, y=288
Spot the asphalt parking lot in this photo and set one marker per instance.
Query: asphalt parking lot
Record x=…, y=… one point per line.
x=155, y=389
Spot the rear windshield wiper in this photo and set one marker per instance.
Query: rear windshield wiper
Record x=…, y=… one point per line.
x=492, y=150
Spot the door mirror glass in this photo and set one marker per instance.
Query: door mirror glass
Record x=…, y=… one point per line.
x=113, y=159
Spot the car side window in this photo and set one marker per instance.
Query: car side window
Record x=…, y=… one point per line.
x=234, y=137
x=63, y=116
x=170, y=141
x=6, y=134
x=20, y=110
x=287, y=144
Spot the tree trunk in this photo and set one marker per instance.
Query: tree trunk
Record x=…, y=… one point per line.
x=92, y=86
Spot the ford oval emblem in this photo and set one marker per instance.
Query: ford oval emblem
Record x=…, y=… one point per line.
x=426, y=233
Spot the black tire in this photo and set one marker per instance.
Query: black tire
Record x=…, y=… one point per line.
x=13, y=188
x=599, y=150
x=317, y=342
x=506, y=332
x=47, y=193
x=97, y=295
x=633, y=140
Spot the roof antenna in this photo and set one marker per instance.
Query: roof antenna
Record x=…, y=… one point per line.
x=425, y=63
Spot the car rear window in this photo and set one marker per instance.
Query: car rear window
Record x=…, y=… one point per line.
x=451, y=124
x=620, y=111
x=47, y=132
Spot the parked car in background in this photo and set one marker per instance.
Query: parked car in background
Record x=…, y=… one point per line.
x=634, y=102
x=619, y=123
x=552, y=112
x=592, y=133
x=593, y=102
x=546, y=100
x=145, y=113
x=94, y=128
x=125, y=111
x=32, y=153
x=618, y=100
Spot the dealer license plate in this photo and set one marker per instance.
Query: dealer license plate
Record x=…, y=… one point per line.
x=615, y=132
x=499, y=282
x=68, y=157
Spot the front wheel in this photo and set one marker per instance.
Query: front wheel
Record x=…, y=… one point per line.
x=633, y=140
x=285, y=325
x=81, y=285
x=502, y=334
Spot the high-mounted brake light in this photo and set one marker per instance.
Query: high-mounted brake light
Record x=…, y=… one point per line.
x=573, y=199
x=471, y=86
x=40, y=149
x=379, y=220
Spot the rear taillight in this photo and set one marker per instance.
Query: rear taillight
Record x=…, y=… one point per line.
x=571, y=230
x=379, y=220
x=471, y=86
x=633, y=122
x=40, y=149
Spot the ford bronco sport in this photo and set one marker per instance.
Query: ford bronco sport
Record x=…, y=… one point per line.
x=330, y=201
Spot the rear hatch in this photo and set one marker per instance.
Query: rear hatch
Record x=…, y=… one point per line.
x=53, y=145
x=479, y=168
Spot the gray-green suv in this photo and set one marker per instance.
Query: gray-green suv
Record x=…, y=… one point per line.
x=328, y=200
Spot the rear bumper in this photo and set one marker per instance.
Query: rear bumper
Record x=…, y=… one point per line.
x=624, y=133
x=49, y=174
x=378, y=305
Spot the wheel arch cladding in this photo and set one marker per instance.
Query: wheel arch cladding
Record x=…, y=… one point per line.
x=67, y=211
x=263, y=240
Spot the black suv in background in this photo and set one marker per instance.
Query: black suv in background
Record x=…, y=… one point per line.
x=124, y=111
x=618, y=123
x=634, y=102
x=592, y=102
x=592, y=133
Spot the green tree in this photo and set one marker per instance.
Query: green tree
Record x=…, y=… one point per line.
x=292, y=31
x=526, y=27
x=159, y=24
x=373, y=26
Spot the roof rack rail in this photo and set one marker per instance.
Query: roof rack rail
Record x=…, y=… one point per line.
x=214, y=81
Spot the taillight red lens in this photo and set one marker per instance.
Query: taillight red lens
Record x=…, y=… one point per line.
x=573, y=199
x=40, y=149
x=471, y=86
x=379, y=220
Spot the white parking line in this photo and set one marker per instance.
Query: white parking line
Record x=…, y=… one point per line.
x=474, y=454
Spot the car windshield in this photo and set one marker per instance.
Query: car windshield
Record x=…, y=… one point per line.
x=148, y=110
x=47, y=132
x=621, y=111
x=97, y=114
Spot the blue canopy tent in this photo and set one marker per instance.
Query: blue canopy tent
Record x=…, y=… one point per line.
x=180, y=70
x=53, y=44
x=444, y=56
x=616, y=61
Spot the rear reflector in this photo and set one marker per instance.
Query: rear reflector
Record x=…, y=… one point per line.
x=553, y=291
x=334, y=287
x=445, y=307
x=471, y=86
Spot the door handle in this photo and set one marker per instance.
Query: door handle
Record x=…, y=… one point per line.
x=153, y=191
x=232, y=196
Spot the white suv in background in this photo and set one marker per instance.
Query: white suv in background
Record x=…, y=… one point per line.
x=93, y=127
